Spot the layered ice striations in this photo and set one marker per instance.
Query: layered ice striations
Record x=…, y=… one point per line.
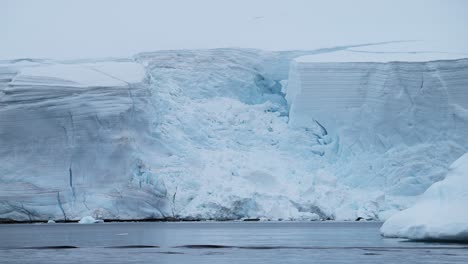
x=226, y=134
x=338, y=93
x=395, y=125
x=69, y=134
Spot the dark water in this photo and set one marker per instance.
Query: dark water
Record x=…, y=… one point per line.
x=215, y=242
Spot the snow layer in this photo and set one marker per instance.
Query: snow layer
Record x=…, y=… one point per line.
x=99, y=74
x=441, y=212
x=371, y=54
x=213, y=134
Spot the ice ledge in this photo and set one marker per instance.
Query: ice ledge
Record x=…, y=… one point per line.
x=379, y=57
x=96, y=74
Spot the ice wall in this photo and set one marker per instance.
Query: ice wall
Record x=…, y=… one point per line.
x=70, y=134
x=394, y=101
x=394, y=125
x=226, y=134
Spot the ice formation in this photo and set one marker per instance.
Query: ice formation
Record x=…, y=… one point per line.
x=412, y=114
x=69, y=134
x=226, y=134
x=441, y=212
x=89, y=220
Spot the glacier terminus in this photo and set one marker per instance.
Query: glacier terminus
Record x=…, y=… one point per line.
x=343, y=133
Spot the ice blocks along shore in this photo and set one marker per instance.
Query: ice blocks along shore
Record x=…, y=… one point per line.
x=441, y=214
x=226, y=134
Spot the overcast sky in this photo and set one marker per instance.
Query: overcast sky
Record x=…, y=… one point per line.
x=92, y=28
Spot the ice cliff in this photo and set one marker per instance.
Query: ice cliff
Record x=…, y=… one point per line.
x=68, y=137
x=227, y=134
x=412, y=114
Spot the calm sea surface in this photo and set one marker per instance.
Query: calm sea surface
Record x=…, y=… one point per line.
x=217, y=242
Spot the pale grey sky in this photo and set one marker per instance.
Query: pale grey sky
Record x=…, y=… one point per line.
x=90, y=28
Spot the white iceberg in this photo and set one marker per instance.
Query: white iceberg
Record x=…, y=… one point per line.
x=440, y=214
x=89, y=220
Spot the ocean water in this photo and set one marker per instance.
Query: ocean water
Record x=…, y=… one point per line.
x=217, y=242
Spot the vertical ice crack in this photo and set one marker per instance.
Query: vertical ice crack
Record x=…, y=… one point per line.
x=72, y=146
x=173, y=202
x=131, y=98
x=422, y=81
x=72, y=123
x=323, y=130
x=85, y=202
x=70, y=174
x=59, y=202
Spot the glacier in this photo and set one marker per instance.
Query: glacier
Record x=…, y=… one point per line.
x=440, y=214
x=405, y=111
x=228, y=134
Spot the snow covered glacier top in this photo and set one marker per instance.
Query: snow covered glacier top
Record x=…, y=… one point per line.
x=226, y=134
x=81, y=74
x=371, y=55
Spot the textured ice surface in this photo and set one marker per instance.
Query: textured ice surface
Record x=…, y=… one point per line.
x=441, y=212
x=69, y=137
x=88, y=220
x=225, y=134
x=391, y=126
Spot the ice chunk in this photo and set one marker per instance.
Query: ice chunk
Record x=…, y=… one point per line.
x=89, y=220
x=441, y=212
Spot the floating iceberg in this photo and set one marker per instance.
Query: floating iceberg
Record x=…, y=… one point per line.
x=441, y=212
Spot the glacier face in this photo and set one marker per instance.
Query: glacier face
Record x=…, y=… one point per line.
x=68, y=133
x=411, y=114
x=225, y=134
